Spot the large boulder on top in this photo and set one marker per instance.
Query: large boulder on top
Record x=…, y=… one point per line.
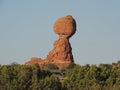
x=65, y=26
x=61, y=55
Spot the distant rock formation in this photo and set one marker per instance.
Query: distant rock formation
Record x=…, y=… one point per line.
x=14, y=63
x=61, y=55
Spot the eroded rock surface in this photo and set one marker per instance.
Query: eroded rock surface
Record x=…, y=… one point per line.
x=65, y=26
x=61, y=55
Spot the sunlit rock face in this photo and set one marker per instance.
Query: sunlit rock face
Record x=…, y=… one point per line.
x=65, y=26
x=61, y=55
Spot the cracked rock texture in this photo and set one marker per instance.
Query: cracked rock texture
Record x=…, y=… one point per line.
x=61, y=55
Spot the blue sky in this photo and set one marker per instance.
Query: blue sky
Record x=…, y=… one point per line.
x=26, y=29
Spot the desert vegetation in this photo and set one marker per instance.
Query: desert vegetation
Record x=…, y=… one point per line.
x=49, y=77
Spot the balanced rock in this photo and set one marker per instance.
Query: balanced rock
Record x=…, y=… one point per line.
x=65, y=26
x=61, y=55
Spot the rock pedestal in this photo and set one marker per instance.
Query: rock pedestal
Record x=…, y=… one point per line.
x=61, y=55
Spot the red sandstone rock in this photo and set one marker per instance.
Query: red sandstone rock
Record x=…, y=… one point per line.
x=61, y=55
x=65, y=26
x=35, y=60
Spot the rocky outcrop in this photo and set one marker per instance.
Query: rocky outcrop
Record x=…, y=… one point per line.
x=65, y=26
x=35, y=60
x=61, y=55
